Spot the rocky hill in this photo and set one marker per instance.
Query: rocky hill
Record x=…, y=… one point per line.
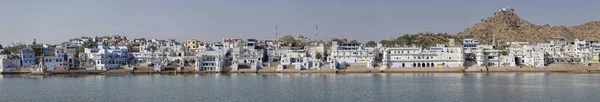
x=507, y=26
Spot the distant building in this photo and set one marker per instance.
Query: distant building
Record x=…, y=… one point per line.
x=192, y=44
x=506, y=9
x=411, y=57
x=108, y=57
x=27, y=56
x=8, y=64
x=246, y=57
x=352, y=54
x=488, y=56
x=251, y=44
x=595, y=53
x=210, y=61
x=53, y=62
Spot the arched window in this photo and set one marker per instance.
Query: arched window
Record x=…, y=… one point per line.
x=402, y=64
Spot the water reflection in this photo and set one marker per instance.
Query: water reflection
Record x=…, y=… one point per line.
x=306, y=87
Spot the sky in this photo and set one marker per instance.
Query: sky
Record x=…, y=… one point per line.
x=55, y=21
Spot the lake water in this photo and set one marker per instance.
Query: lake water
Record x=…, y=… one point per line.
x=478, y=87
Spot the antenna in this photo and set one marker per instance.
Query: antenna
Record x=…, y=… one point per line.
x=317, y=28
x=276, y=31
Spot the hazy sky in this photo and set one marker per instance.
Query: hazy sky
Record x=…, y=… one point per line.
x=54, y=21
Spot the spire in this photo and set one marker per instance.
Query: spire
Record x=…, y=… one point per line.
x=317, y=29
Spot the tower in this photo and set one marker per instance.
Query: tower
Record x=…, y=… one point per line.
x=317, y=34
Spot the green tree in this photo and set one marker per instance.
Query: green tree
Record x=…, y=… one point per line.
x=5, y=52
x=136, y=44
x=338, y=40
x=16, y=57
x=319, y=56
x=354, y=42
x=131, y=59
x=228, y=53
x=289, y=40
x=504, y=52
x=371, y=44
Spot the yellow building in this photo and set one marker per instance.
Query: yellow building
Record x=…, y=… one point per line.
x=192, y=44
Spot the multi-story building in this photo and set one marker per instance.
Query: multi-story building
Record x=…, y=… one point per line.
x=530, y=55
x=141, y=57
x=8, y=64
x=53, y=62
x=536, y=58
x=470, y=45
x=250, y=58
x=192, y=45
x=436, y=56
x=251, y=44
x=351, y=54
x=108, y=57
x=582, y=49
x=595, y=53
x=488, y=56
x=27, y=56
x=300, y=59
x=210, y=61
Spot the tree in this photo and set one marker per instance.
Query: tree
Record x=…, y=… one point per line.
x=354, y=42
x=289, y=40
x=5, y=52
x=338, y=40
x=319, y=56
x=504, y=52
x=136, y=44
x=371, y=44
x=131, y=59
x=228, y=53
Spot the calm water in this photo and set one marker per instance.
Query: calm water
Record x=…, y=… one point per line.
x=560, y=87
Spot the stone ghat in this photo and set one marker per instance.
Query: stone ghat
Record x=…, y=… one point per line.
x=550, y=68
x=594, y=68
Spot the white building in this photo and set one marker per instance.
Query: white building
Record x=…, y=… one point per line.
x=299, y=59
x=313, y=51
x=76, y=42
x=352, y=54
x=505, y=9
x=530, y=54
x=53, y=62
x=7, y=64
x=536, y=59
x=210, y=61
x=595, y=53
x=470, y=45
x=27, y=56
x=108, y=57
x=250, y=58
x=141, y=57
x=411, y=57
